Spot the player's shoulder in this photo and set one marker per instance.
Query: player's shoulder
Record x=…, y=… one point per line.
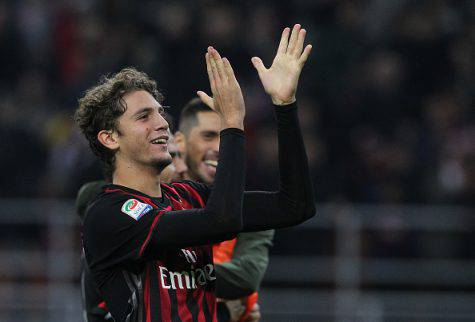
x=114, y=199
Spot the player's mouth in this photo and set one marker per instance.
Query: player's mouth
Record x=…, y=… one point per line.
x=210, y=163
x=160, y=141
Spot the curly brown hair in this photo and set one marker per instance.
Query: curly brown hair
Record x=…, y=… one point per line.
x=103, y=104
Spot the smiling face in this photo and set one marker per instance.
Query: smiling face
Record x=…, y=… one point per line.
x=201, y=147
x=142, y=133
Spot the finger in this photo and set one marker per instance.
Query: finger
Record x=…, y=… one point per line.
x=300, y=40
x=210, y=73
x=284, y=41
x=305, y=54
x=205, y=98
x=219, y=64
x=258, y=65
x=229, y=69
x=293, y=38
x=214, y=70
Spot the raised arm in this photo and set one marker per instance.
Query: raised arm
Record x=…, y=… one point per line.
x=222, y=214
x=294, y=202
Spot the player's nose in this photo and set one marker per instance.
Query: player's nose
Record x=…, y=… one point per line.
x=160, y=123
x=215, y=144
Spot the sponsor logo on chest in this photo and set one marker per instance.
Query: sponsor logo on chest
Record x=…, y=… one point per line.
x=190, y=278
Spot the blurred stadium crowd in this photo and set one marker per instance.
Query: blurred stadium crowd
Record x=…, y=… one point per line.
x=385, y=99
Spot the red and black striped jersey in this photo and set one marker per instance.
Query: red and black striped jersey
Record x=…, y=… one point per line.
x=142, y=283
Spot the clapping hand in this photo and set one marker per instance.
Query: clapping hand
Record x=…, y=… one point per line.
x=281, y=79
x=227, y=99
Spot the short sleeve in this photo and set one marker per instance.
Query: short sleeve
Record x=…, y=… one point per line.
x=116, y=230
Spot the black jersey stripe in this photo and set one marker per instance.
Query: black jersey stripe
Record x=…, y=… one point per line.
x=174, y=305
x=207, y=302
x=192, y=305
x=155, y=301
x=205, y=309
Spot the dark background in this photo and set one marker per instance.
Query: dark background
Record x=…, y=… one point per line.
x=386, y=104
x=385, y=96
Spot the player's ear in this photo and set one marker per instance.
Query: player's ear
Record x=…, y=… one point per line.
x=180, y=142
x=108, y=138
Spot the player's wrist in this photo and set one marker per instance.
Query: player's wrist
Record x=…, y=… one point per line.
x=237, y=123
x=239, y=126
x=283, y=102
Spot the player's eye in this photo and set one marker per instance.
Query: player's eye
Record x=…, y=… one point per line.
x=142, y=116
x=208, y=136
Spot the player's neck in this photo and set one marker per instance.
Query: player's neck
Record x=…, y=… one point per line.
x=143, y=179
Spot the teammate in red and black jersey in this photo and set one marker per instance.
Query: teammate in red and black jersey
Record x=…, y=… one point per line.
x=148, y=244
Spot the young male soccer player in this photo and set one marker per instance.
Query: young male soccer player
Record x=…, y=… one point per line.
x=148, y=244
x=239, y=263
x=94, y=307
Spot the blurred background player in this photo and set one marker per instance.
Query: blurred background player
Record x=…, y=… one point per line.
x=241, y=262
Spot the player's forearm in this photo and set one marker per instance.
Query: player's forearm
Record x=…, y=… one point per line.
x=221, y=219
x=295, y=190
x=294, y=202
x=225, y=200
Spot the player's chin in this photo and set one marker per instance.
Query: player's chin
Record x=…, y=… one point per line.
x=162, y=162
x=207, y=174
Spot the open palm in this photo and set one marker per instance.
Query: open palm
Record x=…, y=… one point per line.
x=281, y=79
